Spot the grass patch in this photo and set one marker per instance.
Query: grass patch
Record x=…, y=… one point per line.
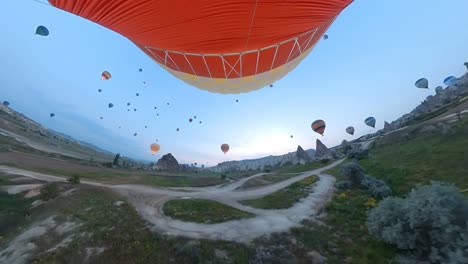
x=13, y=209
x=180, y=181
x=284, y=198
x=202, y=211
x=267, y=179
x=303, y=167
x=439, y=157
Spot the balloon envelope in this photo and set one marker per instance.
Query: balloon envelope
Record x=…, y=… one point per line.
x=450, y=81
x=42, y=31
x=318, y=126
x=52, y=114
x=422, y=83
x=225, y=148
x=105, y=75
x=111, y=105
x=350, y=130
x=155, y=148
x=223, y=46
x=370, y=121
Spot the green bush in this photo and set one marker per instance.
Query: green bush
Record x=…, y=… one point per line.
x=377, y=188
x=75, y=179
x=431, y=222
x=353, y=172
x=49, y=191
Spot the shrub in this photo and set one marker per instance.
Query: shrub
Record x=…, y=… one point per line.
x=223, y=176
x=353, y=172
x=343, y=185
x=75, y=179
x=324, y=161
x=49, y=191
x=377, y=188
x=357, y=153
x=431, y=222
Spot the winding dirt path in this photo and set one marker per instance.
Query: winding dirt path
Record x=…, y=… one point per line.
x=149, y=202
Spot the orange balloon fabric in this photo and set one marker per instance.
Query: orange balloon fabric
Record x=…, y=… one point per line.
x=201, y=40
x=155, y=148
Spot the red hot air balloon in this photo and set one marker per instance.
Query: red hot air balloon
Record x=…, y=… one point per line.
x=223, y=46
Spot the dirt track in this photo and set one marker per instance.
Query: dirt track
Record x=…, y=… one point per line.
x=149, y=202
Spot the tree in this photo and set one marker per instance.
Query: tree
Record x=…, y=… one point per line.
x=116, y=160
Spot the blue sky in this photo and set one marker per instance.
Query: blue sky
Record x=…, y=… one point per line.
x=375, y=52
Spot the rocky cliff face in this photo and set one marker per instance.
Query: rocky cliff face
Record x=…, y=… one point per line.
x=300, y=156
x=321, y=151
x=167, y=162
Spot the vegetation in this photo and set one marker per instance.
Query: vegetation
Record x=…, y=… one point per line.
x=302, y=167
x=202, y=211
x=430, y=221
x=49, y=191
x=284, y=198
x=116, y=160
x=74, y=179
x=13, y=209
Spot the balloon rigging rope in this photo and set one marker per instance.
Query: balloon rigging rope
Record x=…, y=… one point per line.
x=42, y=2
x=251, y=24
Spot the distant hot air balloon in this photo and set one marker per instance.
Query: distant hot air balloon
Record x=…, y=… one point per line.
x=228, y=46
x=370, y=121
x=52, y=115
x=325, y=37
x=167, y=103
x=350, y=130
x=154, y=148
x=200, y=122
x=157, y=114
x=292, y=136
x=146, y=126
x=6, y=103
x=105, y=75
x=194, y=117
x=225, y=148
x=140, y=70
x=190, y=120
x=144, y=82
x=111, y=105
x=128, y=104
x=99, y=90
x=271, y=85
x=439, y=89
x=422, y=83
x=137, y=94
x=318, y=126
x=177, y=129
x=100, y=117
x=120, y=126
x=128, y=110
x=450, y=81
x=135, y=134
x=42, y=31
x=155, y=107
x=237, y=101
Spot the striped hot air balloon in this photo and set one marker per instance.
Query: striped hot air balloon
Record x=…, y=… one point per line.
x=224, y=148
x=350, y=130
x=318, y=126
x=450, y=81
x=222, y=46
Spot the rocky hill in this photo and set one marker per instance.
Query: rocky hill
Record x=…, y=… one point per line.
x=167, y=162
x=300, y=156
x=16, y=127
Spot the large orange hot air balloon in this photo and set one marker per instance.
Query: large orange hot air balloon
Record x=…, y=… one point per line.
x=155, y=148
x=225, y=148
x=223, y=46
x=318, y=126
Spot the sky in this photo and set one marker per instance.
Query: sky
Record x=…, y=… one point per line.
x=375, y=52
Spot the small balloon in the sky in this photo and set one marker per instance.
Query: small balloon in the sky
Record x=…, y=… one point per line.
x=157, y=114
x=237, y=100
x=144, y=82
x=370, y=121
x=101, y=117
x=318, y=126
x=190, y=120
x=194, y=117
x=42, y=31
x=128, y=104
x=52, y=115
x=450, y=81
x=422, y=83
x=6, y=103
x=325, y=37
x=224, y=148
x=135, y=134
x=177, y=129
x=154, y=148
x=140, y=70
x=271, y=85
x=134, y=109
x=200, y=122
x=105, y=75
x=146, y=126
x=167, y=103
x=99, y=90
x=350, y=130
x=291, y=136
x=128, y=110
x=137, y=94
x=155, y=107
x=120, y=126
x=111, y=105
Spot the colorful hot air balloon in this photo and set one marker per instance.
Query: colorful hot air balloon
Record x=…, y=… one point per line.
x=225, y=148
x=42, y=31
x=318, y=126
x=350, y=130
x=370, y=121
x=155, y=148
x=450, y=81
x=422, y=83
x=105, y=76
x=223, y=46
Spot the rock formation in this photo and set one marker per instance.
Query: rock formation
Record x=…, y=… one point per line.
x=167, y=162
x=321, y=151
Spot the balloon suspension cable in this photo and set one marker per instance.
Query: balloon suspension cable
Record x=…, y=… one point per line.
x=44, y=2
